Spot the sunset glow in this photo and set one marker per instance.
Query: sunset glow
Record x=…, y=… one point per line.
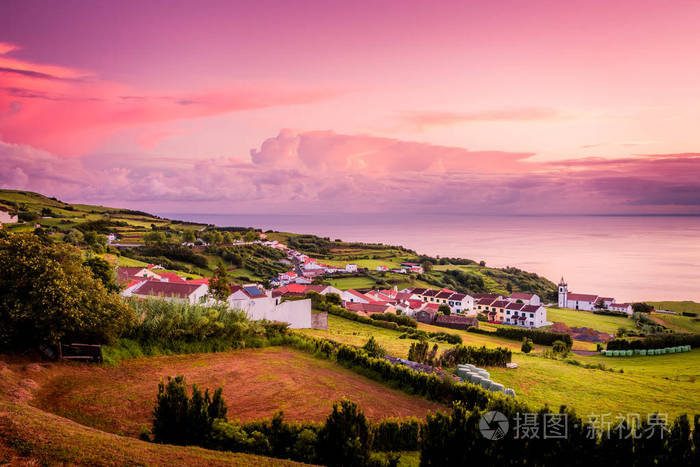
x=245, y=107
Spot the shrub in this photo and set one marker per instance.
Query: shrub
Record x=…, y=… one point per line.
x=401, y=320
x=373, y=348
x=560, y=347
x=527, y=345
x=179, y=419
x=346, y=438
x=480, y=356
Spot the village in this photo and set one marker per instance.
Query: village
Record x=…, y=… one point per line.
x=440, y=307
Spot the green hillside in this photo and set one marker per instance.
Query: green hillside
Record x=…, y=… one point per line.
x=86, y=226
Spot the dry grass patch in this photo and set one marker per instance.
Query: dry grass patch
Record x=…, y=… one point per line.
x=256, y=383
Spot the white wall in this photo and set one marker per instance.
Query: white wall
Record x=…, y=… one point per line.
x=295, y=312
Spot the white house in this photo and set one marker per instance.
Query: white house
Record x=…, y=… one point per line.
x=353, y=296
x=170, y=291
x=259, y=304
x=526, y=298
x=461, y=303
x=351, y=268
x=622, y=307
x=529, y=316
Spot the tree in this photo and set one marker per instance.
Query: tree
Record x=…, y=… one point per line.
x=154, y=238
x=445, y=309
x=250, y=236
x=102, y=270
x=219, y=285
x=48, y=295
x=527, y=345
x=188, y=236
x=373, y=348
x=345, y=439
x=642, y=308
x=226, y=238
x=427, y=266
x=74, y=237
x=560, y=347
x=482, y=263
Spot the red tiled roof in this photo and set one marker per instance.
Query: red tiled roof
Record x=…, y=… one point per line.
x=486, y=295
x=486, y=301
x=167, y=289
x=432, y=306
x=203, y=280
x=458, y=297
x=521, y=296
x=444, y=295
x=500, y=304
x=581, y=297
x=530, y=308
x=430, y=293
x=367, y=307
x=418, y=291
x=172, y=277
x=515, y=306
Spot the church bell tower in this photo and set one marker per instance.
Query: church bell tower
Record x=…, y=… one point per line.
x=563, y=293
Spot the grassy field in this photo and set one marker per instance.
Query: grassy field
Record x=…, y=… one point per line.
x=29, y=436
x=256, y=383
x=667, y=384
x=602, y=323
x=678, y=323
x=352, y=283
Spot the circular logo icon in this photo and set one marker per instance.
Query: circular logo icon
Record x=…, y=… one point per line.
x=493, y=425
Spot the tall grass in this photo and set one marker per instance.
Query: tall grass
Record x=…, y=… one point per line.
x=165, y=328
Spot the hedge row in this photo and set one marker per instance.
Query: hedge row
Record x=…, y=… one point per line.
x=480, y=356
x=538, y=337
x=410, y=332
x=401, y=320
x=655, y=342
x=430, y=386
x=621, y=314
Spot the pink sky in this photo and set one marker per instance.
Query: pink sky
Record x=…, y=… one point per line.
x=470, y=107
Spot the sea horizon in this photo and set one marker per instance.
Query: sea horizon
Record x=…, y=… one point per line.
x=629, y=257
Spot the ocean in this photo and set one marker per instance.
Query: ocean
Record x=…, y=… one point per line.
x=631, y=258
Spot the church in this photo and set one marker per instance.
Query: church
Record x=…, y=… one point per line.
x=586, y=302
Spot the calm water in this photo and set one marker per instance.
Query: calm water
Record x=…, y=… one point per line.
x=629, y=258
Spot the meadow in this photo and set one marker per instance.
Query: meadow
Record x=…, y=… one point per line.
x=588, y=319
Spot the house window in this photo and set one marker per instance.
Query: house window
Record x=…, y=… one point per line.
x=507, y=312
x=531, y=323
x=532, y=315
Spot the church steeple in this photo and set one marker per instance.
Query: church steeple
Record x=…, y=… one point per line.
x=563, y=293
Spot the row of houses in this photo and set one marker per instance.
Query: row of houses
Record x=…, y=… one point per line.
x=498, y=310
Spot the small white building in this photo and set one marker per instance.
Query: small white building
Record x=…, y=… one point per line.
x=353, y=296
x=351, y=268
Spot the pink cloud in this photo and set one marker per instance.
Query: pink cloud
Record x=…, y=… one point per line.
x=67, y=111
x=322, y=171
x=421, y=120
